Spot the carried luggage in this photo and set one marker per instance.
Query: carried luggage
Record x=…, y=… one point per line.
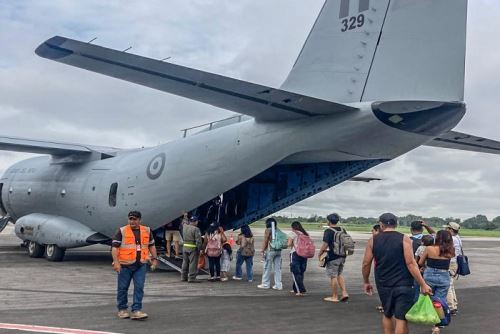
x=247, y=247
x=305, y=246
x=343, y=244
x=214, y=247
x=423, y=312
x=280, y=241
x=442, y=309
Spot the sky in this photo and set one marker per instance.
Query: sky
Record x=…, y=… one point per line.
x=252, y=40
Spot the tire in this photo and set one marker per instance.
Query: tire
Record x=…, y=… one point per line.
x=35, y=250
x=54, y=253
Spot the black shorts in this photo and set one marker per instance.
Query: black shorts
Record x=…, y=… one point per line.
x=397, y=300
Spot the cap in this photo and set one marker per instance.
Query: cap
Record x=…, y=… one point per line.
x=136, y=214
x=193, y=218
x=388, y=219
x=333, y=218
x=453, y=226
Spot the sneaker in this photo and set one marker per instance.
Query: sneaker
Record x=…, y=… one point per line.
x=224, y=279
x=454, y=312
x=138, y=315
x=123, y=314
x=237, y=278
x=250, y=280
x=277, y=288
x=262, y=286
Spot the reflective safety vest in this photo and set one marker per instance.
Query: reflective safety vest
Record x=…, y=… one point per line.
x=127, y=252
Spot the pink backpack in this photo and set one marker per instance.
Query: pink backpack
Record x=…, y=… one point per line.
x=214, y=248
x=305, y=246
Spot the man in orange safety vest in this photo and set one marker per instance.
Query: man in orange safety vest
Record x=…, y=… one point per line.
x=133, y=247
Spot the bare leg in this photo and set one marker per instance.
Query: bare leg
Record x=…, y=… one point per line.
x=401, y=326
x=168, y=248
x=176, y=246
x=388, y=325
x=341, y=282
x=335, y=285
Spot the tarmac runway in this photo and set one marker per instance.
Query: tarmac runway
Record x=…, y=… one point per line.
x=79, y=293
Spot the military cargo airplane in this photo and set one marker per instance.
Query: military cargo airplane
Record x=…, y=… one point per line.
x=374, y=80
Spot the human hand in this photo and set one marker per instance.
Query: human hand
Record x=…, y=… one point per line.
x=117, y=266
x=368, y=289
x=154, y=264
x=426, y=290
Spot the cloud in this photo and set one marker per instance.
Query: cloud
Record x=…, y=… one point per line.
x=251, y=40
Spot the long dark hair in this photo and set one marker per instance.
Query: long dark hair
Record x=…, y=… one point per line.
x=246, y=231
x=271, y=221
x=444, y=241
x=212, y=228
x=298, y=227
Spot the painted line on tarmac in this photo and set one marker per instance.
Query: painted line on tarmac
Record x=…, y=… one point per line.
x=54, y=330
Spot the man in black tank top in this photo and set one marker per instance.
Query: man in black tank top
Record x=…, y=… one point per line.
x=395, y=271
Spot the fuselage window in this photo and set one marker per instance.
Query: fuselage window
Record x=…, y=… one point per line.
x=112, y=194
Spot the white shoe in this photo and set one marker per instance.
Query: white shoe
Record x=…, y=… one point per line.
x=237, y=278
x=261, y=286
x=276, y=288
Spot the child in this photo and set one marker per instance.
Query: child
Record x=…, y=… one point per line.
x=427, y=240
x=226, y=261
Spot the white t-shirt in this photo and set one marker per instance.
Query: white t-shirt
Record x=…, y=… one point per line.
x=295, y=237
x=457, y=243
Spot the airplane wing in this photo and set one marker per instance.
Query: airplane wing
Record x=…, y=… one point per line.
x=263, y=103
x=50, y=147
x=466, y=142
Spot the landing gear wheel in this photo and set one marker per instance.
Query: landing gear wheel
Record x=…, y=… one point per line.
x=54, y=253
x=35, y=249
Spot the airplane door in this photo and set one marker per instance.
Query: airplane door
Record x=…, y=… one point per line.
x=94, y=193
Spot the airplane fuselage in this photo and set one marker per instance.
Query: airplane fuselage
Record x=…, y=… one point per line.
x=183, y=174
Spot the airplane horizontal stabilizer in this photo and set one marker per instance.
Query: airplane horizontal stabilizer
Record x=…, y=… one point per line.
x=263, y=103
x=466, y=142
x=49, y=147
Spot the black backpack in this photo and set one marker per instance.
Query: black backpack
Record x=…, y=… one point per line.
x=416, y=242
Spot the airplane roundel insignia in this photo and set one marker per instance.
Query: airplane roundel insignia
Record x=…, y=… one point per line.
x=155, y=166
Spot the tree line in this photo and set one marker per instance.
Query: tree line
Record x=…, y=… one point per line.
x=479, y=222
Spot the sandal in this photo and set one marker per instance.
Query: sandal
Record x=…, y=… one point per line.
x=330, y=299
x=436, y=330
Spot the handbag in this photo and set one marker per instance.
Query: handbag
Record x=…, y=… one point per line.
x=462, y=263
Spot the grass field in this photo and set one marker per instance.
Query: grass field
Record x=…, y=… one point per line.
x=367, y=228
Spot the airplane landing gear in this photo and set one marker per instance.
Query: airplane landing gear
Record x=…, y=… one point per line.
x=54, y=253
x=35, y=250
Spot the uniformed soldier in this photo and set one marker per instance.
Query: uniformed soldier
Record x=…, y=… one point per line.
x=191, y=250
x=131, y=249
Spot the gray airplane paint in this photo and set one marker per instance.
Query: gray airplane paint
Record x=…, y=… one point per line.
x=302, y=123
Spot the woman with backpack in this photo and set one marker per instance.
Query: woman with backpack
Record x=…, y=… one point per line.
x=436, y=259
x=274, y=241
x=245, y=253
x=300, y=243
x=213, y=250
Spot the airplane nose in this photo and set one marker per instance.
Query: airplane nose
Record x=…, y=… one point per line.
x=430, y=118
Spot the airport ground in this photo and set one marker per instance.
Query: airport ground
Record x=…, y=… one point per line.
x=80, y=293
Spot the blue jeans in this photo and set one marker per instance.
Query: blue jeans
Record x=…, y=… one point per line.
x=298, y=266
x=126, y=275
x=249, y=264
x=438, y=280
x=273, y=261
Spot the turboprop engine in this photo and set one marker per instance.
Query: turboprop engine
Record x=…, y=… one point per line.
x=50, y=235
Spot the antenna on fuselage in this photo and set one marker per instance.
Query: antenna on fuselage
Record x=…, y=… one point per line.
x=166, y=58
x=127, y=49
x=93, y=39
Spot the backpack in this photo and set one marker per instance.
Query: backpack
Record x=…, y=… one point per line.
x=247, y=249
x=343, y=245
x=415, y=242
x=305, y=246
x=214, y=248
x=446, y=310
x=280, y=241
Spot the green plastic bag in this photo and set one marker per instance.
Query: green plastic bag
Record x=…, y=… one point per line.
x=423, y=312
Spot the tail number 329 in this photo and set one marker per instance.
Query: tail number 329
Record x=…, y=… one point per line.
x=353, y=22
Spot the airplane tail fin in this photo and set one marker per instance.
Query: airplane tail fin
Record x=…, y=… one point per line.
x=369, y=50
